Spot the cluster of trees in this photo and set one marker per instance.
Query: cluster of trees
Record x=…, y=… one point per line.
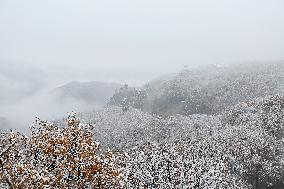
x=238, y=145
x=194, y=163
x=247, y=139
x=53, y=157
x=121, y=130
x=241, y=148
x=206, y=90
x=257, y=127
x=128, y=96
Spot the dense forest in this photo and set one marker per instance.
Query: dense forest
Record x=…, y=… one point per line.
x=219, y=126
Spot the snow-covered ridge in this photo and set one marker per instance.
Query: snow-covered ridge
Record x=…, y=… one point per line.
x=207, y=90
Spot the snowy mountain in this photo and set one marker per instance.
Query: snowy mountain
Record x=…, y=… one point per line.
x=206, y=90
x=95, y=92
x=244, y=142
x=212, y=127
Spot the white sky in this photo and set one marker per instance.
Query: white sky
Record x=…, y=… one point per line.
x=135, y=40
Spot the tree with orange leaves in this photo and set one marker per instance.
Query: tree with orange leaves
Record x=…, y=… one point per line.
x=55, y=157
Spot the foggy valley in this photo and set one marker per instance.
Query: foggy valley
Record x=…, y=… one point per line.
x=126, y=94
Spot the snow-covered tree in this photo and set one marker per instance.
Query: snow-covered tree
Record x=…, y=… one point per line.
x=191, y=164
x=253, y=133
x=208, y=90
x=54, y=157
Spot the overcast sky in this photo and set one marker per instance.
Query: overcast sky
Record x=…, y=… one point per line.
x=135, y=40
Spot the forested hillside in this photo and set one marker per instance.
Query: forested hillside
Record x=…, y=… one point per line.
x=206, y=90
x=212, y=127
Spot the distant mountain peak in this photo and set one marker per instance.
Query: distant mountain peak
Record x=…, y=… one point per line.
x=89, y=91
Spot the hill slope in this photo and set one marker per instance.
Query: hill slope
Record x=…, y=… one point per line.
x=207, y=90
x=247, y=138
x=95, y=92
